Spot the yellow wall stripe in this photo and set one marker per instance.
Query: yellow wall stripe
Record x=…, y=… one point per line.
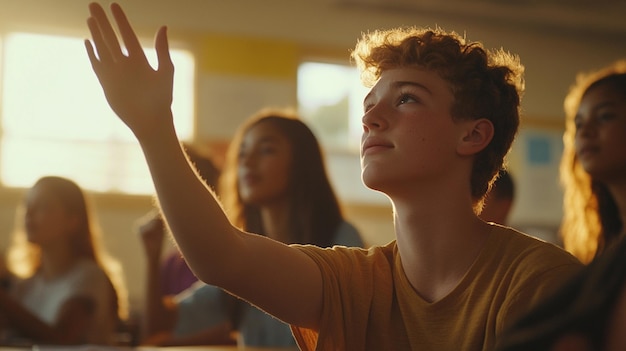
x=248, y=56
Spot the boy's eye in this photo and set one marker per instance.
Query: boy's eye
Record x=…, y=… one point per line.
x=407, y=98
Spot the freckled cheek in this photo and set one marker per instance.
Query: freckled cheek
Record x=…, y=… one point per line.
x=416, y=134
x=419, y=139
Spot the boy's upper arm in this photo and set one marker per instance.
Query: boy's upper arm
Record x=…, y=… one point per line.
x=278, y=278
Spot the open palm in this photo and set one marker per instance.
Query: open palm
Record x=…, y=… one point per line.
x=136, y=92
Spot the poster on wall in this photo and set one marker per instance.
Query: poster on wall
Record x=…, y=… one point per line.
x=534, y=162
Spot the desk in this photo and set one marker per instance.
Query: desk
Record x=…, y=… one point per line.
x=212, y=348
x=143, y=348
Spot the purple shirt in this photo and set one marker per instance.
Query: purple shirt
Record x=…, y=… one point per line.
x=176, y=275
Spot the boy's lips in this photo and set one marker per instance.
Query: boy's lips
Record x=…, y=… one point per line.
x=372, y=143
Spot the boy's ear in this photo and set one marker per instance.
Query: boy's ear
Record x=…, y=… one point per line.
x=476, y=136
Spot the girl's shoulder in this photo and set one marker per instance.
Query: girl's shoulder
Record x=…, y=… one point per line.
x=87, y=272
x=87, y=266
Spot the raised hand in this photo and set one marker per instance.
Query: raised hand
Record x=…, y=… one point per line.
x=152, y=231
x=138, y=94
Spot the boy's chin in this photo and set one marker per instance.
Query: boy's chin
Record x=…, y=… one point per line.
x=373, y=183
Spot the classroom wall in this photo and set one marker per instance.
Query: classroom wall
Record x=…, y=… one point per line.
x=247, y=59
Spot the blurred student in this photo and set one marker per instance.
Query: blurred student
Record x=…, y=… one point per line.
x=275, y=184
x=165, y=278
x=586, y=314
x=439, y=119
x=593, y=165
x=175, y=274
x=589, y=313
x=499, y=200
x=69, y=291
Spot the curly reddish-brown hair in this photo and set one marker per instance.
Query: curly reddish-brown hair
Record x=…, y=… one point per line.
x=486, y=84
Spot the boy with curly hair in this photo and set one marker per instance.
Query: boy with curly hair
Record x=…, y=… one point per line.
x=439, y=119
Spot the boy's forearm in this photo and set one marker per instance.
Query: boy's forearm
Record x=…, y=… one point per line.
x=195, y=218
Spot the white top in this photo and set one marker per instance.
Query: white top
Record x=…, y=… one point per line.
x=44, y=298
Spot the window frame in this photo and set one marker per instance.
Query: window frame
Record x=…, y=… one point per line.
x=107, y=188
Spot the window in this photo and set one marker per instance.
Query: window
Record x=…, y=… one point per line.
x=56, y=121
x=330, y=99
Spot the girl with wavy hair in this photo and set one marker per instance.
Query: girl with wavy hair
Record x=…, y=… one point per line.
x=68, y=291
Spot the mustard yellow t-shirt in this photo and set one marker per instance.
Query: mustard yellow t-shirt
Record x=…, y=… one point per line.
x=368, y=303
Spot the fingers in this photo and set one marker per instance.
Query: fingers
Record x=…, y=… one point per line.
x=162, y=50
x=128, y=34
x=92, y=56
x=103, y=52
x=104, y=37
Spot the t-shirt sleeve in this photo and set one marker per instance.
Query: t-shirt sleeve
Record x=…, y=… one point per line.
x=349, y=278
x=307, y=339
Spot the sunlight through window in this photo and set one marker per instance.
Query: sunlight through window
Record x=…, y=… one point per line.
x=330, y=99
x=56, y=121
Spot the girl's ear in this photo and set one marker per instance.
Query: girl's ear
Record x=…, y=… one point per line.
x=476, y=135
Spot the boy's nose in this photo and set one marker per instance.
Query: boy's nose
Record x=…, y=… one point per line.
x=373, y=119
